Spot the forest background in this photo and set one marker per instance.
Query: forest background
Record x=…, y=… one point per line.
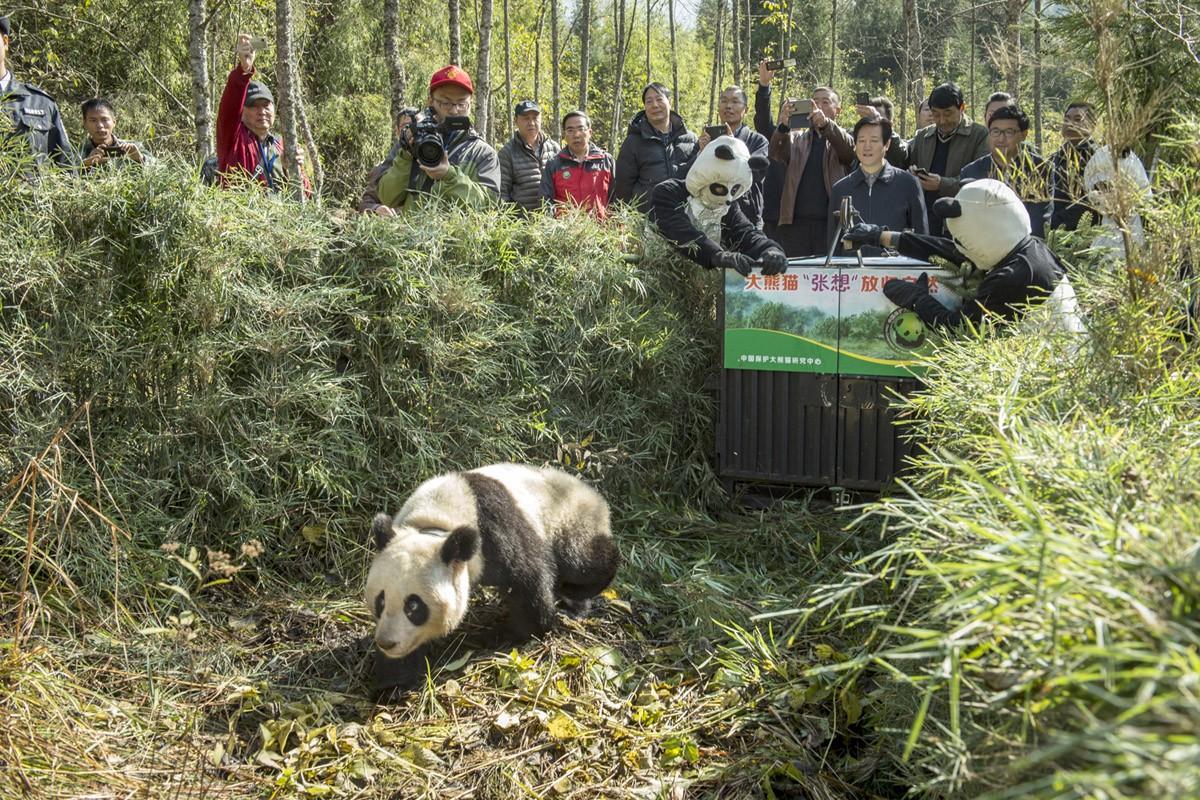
x=163, y=62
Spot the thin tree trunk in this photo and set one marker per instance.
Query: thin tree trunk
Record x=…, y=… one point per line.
x=1012, y=46
x=619, y=35
x=626, y=38
x=716, y=69
x=555, y=96
x=198, y=61
x=674, y=59
x=508, y=103
x=1037, y=73
x=285, y=73
x=913, y=68
x=833, y=42
x=537, y=53
x=785, y=45
x=750, y=60
x=648, y=70
x=310, y=144
x=974, y=52
x=456, y=32
x=483, y=82
x=585, y=55
x=391, y=54
x=735, y=26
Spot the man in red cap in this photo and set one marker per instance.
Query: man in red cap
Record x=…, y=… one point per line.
x=468, y=171
x=246, y=148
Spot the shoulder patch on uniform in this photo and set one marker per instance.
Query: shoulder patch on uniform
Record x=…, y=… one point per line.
x=37, y=90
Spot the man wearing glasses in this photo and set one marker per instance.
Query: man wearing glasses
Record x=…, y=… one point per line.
x=469, y=172
x=1012, y=162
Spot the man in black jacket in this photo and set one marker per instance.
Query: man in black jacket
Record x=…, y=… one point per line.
x=34, y=113
x=764, y=125
x=1070, y=197
x=657, y=147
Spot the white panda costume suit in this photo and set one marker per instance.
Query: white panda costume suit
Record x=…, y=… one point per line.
x=989, y=227
x=700, y=215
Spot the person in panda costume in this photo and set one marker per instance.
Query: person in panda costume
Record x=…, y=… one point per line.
x=989, y=227
x=700, y=216
x=540, y=535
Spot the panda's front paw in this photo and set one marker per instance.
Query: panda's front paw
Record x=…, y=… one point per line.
x=575, y=608
x=392, y=675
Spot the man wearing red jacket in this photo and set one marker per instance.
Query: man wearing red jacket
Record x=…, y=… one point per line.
x=581, y=174
x=246, y=148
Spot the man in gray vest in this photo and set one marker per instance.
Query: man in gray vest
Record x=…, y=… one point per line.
x=32, y=113
x=524, y=157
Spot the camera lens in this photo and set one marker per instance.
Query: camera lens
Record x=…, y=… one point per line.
x=429, y=152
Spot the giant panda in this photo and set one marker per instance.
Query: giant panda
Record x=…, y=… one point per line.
x=539, y=533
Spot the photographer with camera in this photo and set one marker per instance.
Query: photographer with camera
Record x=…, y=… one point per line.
x=102, y=145
x=439, y=154
x=33, y=113
x=818, y=153
x=246, y=148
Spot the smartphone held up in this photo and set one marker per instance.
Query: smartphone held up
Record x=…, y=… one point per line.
x=801, y=109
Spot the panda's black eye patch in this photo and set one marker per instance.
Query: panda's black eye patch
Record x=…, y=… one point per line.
x=379, y=605
x=416, y=610
x=719, y=189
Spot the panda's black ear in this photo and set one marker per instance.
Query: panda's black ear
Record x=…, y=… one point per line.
x=724, y=152
x=381, y=531
x=759, y=163
x=947, y=208
x=460, y=545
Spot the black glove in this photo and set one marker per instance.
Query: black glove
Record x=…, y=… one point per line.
x=774, y=262
x=905, y=294
x=862, y=233
x=727, y=259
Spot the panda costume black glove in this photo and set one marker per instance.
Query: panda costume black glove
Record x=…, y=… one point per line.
x=727, y=259
x=774, y=262
x=905, y=294
x=864, y=233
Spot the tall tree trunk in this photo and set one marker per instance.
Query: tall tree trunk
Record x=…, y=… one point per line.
x=785, y=49
x=310, y=144
x=198, y=62
x=1037, y=73
x=648, y=70
x=833, y=42
x=1012, y=46
x=974, y=53
x=285, y=74
x=750, y=60
x=674, y=58
x=555, y=96
x=537, y=54
x=391, y=54
x=483, y=81
x=735, y=27
x=508, y=115
x=585, y=54
x=914, y=68
x=456, y=32
x=716, y=69
x=622, y=55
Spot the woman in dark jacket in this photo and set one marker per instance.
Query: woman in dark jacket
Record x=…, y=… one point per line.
x=657, y=148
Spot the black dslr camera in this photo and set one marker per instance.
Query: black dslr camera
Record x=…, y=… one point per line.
x=426, y=138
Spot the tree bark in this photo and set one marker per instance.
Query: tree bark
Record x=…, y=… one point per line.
x=833, y=20
x=555, y=95
x=623, y=54
x=285, y=73
x=456, y=32
x=391, y=53
x=735, y=26
x=674, y=58
x=537, y=53
x=1012, y=46
x=648, y=69
x=508, y=115
x=914, y=68
x=716, y=70
x=1037, y=73
x=201, y=85
x=483, y=82
x=585, y=55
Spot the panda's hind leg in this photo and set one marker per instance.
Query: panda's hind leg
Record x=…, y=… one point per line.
x=585, y=568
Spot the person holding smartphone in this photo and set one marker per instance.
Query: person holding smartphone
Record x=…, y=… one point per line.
x=764, y=124
x=102, y=145
x=817, y=153
x=731, y=110
x=937, y=154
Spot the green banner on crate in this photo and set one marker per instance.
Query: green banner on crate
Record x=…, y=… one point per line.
x=831, y=319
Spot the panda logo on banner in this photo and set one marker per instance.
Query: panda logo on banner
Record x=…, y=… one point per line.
x=904, y=331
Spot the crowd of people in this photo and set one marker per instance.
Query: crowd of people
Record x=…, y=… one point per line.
x=812, y=163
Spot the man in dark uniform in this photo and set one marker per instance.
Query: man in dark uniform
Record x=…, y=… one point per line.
x=33, y=113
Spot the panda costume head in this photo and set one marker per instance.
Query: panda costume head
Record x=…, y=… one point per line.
x=721, y=174
x=538, y=532
x=986, y=220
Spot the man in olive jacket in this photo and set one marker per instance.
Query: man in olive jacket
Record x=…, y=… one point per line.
x=938, y=153
x=524, y=157
x=658, y=147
